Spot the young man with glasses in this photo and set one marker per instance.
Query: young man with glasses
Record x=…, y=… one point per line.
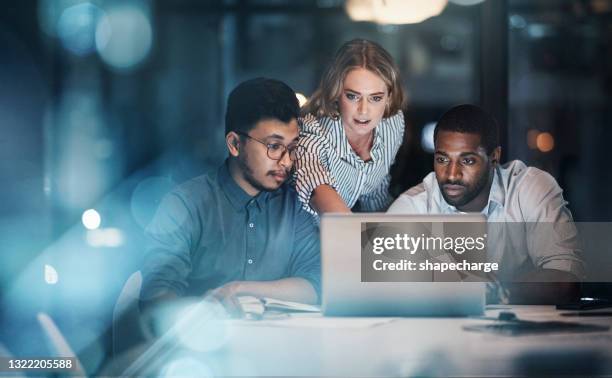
x=241, y=230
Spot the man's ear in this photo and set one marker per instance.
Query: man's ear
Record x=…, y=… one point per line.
x=496, y=156
x=232, y=141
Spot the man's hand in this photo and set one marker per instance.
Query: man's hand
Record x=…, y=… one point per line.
x=228, y=296
x=295, y=289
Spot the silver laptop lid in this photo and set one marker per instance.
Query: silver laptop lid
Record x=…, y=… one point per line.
x=344, y=293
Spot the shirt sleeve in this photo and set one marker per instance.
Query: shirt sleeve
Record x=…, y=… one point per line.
x=377, y=200
x=312, y=168
x=306, y=259
x=552, y=238
x=170, y=237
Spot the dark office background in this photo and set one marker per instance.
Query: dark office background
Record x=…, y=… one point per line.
x=94, y=119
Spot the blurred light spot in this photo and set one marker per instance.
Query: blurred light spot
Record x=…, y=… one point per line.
x=360, y=10
x=601, y=6
x=91, y=219
x=51, y=276
x=532, y=138
x=427, y=137
x=394, y=11
x=517, y=22
x=187, y=367
x=125, y=40
x=540, y=30
x=466, y=2
x=105, y=237
x=205, y=328
x=301, y=99
x=76, y=27
x=146, y=198
x=545, y=142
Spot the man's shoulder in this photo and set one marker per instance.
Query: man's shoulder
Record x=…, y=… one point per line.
x=197, y=188
x=526, y=180
x=288, y=194
x=530, y=190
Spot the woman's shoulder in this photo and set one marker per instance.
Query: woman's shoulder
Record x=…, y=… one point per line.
x=393, y=127
x=319, y=126
x=395, y=120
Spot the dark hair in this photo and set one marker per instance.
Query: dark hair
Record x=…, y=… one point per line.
x=471, y=119
x=357, y=53
x=259, y=99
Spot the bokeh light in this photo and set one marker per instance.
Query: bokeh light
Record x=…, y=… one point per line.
x=466, y=2
x=301, y=99
x=105, y=237
x=125, y=38
x=147, y=196
x=545, y=142
x=76, y=28
x=198, y=325
x=427, y=137
x=532, y=138
x=91, y=219
x=394, y=12
x=51, y=276
x=187, y=367
x=205, y=327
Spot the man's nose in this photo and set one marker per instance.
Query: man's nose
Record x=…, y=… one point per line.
x=453, y=172
x=285, y=160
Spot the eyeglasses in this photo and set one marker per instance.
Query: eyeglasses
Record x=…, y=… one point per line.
x=276, y=151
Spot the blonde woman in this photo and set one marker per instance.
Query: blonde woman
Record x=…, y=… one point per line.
x=352, y=128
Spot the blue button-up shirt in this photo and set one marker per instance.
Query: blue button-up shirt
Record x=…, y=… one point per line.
x=208, y=232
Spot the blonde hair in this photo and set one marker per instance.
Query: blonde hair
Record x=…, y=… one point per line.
x=358, y=53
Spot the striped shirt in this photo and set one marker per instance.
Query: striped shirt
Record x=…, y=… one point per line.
x=329, y=159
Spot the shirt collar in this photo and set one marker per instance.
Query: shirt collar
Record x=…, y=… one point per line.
x=239, y=199
x=497, y=195
x=341, y=143
x=340, y=140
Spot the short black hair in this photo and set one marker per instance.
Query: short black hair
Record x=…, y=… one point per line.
x=471, y=119
x=259, y=99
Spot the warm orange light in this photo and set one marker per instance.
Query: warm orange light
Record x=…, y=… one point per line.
x=545, y=142
x=532, y=137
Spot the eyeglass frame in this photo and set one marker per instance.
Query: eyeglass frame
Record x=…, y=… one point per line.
x=285, y=148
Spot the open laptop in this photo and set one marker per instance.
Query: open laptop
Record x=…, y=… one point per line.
x=344, y=293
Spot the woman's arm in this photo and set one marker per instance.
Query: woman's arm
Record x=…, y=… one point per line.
x=325, y=199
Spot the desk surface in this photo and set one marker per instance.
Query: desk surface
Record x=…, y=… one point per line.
x=310, y=345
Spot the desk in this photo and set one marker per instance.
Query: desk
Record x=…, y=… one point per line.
x=399, y=347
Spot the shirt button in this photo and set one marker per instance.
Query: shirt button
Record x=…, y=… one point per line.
x=251, y=225
x=250, y=261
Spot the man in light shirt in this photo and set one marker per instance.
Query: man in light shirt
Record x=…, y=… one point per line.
x=542, y=264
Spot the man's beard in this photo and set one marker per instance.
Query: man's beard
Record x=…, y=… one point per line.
x=470, y=193
x=247, y=172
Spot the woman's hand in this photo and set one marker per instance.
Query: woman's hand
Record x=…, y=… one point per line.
x=325, y=199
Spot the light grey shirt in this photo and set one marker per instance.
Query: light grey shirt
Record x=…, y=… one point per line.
x=538, y=227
